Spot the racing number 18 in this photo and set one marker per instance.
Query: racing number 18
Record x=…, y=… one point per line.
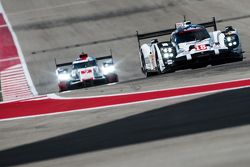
x=200, y=47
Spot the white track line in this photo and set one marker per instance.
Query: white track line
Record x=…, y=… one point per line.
x=12, y=74
x=10, y=91
x=15, y=75
x=3, y=26
x=11, y=70
x=20, y=77
x=18, y=66
x=16, y=87
x=15, y=67
x=13, y=82
x=12, y=79
x=9, y=59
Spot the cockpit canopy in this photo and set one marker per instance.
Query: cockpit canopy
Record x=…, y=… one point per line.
x=85, y=64
x=189, y=35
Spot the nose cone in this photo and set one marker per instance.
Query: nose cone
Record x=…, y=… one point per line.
x=86, y=74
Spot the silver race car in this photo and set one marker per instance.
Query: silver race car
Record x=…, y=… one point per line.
x=190, y=45
x=86, y=71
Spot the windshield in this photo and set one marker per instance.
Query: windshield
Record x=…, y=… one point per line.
x=192, y=35
x=84, y=64
x=61, y=71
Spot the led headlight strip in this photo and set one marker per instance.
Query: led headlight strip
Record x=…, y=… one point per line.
x=168, y=52
x=231, y=41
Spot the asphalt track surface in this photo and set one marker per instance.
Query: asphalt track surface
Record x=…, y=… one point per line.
x=203, y=130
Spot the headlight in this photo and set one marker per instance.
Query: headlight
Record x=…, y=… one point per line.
x=232, y=41
x=229, y=39
x=108, y=70
x=165, y=50
x=171, y=55
x=168, y=55
x=235, y=43
x=64, y=77
x=168, y=52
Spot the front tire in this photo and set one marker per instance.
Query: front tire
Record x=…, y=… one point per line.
x=63, y=86
x=148, y=74
x=112, y=78
x=144, y=70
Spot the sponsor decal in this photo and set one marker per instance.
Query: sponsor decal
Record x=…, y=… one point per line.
x=200, y=47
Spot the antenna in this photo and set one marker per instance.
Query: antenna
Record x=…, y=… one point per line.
x=184, y=17
x=111, y=55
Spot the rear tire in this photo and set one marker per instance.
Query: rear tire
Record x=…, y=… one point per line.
x=148, y=74
x=240, y=58
x=159, y=69
x=144, y=70
x=64, y=86
x=112, y=78
x=237, y=58
x=169, y=69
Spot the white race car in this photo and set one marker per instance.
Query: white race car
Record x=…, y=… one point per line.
x=190, y=45
x=86, y=71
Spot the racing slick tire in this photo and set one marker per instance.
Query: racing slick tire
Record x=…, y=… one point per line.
x=169, y=69
x=149, y=74
x=63, y=86
x=235, y=58
x=112, y=78
x=239, y=58
x=159, y=69
x=144, y=70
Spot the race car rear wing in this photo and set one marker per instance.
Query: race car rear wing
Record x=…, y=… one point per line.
x=210, y=24
x=102, y=59
x=169, y=31
x=62, y=64
x=110, y=57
